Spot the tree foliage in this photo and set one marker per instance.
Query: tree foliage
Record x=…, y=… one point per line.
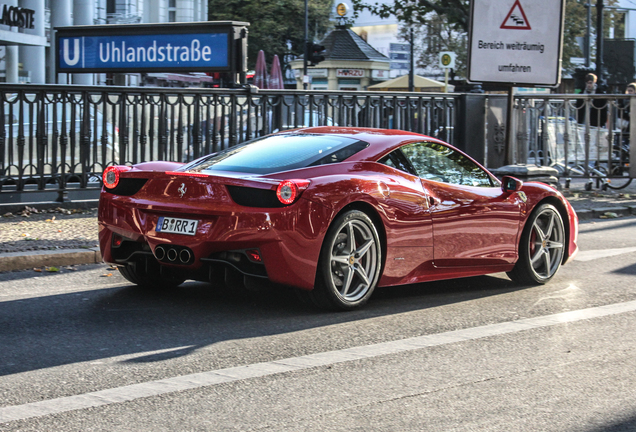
x=276, y=26
x=575, y=28
x=435, y=37
x=455, y=13
x=445, y=21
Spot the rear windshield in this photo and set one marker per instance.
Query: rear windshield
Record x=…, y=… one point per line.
x=277, y=153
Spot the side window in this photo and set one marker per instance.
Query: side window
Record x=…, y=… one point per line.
x=438, y=162
x=396, y=160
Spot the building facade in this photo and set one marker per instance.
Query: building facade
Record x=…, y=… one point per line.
x=26, y=33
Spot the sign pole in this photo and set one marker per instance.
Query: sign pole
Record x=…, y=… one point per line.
x=446, y=80
x=446, y=61
x=509, y=137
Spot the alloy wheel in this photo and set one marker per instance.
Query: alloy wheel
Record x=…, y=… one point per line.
x=546, y=243
x=354, y=260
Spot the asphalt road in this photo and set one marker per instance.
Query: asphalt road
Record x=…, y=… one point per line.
x=84, y=351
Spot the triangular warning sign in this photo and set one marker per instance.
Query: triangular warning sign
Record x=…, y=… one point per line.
x=516, y=18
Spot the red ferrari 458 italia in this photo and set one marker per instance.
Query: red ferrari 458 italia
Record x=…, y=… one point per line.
x=333, y=212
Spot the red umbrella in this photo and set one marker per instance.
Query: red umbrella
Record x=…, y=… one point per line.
x=260, y=74
x=276, y=75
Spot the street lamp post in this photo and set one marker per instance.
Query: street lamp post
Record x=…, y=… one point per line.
x=412, y=71
x=306, y=46
x=599, y=41
x=586, y=48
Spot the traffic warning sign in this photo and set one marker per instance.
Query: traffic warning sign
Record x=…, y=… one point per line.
x=500, y=53
x=516, y=19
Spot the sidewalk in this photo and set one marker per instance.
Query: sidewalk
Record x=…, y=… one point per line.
x=40, y=236
x=56, y=237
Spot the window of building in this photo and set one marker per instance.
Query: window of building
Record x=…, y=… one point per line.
x=172, y=11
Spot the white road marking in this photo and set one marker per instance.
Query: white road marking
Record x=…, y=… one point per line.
x=238, y=373
x=602, y=253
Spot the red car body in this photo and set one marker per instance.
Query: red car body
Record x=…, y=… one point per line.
x=428, y=229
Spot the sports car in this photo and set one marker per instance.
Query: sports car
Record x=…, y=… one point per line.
x=333, y=212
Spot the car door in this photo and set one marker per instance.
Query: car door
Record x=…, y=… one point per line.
x=407, y=206
x=408, y=227
x=474, y=222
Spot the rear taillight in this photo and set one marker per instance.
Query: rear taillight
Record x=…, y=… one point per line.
x=288, y=191
x=111, y=175
x=254, y=255
x=117, y=240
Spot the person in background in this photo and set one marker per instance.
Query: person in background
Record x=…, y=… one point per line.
x=591, y=84
x=624, y=106
x=598, y=107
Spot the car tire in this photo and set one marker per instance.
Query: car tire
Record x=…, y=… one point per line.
x=133, y=273
x=350, y=263
x=541, y=247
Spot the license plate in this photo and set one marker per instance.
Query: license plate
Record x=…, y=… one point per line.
x=177, y=225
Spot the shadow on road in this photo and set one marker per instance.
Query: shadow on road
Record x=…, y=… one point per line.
x=596, y=226
x=628, y=425
x=629, y=270
x=55, y=330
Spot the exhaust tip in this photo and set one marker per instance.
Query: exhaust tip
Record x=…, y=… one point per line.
x=160, y=253
x=185, y=256
x=172, y=254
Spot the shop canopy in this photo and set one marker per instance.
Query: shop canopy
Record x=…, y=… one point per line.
x=420, y=84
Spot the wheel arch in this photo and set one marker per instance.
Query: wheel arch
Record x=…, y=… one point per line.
x=375, y=217
x=319, y=296
x=558, y=204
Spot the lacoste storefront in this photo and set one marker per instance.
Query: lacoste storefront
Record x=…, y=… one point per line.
x=23, y=41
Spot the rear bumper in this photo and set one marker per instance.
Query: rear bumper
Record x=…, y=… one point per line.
x=288, y=239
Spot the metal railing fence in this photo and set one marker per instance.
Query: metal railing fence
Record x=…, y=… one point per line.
x=52, y=136
x=56, y=137
x=580, y=135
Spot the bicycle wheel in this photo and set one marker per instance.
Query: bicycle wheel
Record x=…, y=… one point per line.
x=619, y=182
x=620, y=178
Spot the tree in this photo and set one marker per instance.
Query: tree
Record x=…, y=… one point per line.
x=455, y=13
x=276, y=27
x=452, y=19
x=432, y=37
x=575, y=28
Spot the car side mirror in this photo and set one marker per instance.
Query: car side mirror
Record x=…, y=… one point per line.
x=510, y=184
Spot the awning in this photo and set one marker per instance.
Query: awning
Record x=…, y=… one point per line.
x=420, y=84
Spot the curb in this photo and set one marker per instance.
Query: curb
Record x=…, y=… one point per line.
x=47, y=205
x=598, y=213
x=34, y=259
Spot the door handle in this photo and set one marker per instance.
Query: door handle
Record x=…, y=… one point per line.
x=433, y=201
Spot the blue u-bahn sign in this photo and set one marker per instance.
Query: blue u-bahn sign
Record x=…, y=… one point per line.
x=205, y=47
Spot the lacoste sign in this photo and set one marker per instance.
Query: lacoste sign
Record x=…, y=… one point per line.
x=15, y=16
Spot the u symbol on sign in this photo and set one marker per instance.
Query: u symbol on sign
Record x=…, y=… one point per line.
x=76, y=52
